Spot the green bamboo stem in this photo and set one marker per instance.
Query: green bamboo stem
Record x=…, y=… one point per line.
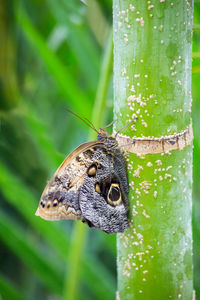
x=79, y=235
x=60, y=74
x=152, y=80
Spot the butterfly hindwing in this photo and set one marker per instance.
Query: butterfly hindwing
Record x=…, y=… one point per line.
x=103, y=197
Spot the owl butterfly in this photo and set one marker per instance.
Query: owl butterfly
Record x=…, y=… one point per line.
x=90, y=185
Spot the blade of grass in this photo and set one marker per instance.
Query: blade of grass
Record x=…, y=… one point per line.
x=80, y=230
x=80, y=42
x=84, y=35
x=8, y=290
x=39, y=133
x=27, y=207
x=14, y=237
x=65, y=81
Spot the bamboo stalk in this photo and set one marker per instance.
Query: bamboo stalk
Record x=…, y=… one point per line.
x=152, y=81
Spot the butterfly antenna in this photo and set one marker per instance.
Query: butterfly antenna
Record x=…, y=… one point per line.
x=91, y=124
x=124, y=127
x=84, y=120
x=110, y=124
x=124, y=145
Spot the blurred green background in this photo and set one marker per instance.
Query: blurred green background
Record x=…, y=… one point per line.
x=56, y=55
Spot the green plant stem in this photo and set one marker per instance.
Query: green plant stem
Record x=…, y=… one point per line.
x=94, y=13
x=79, y=234
x=76, y=252
x=80, y=41
x=103, y=86
x=152, y=80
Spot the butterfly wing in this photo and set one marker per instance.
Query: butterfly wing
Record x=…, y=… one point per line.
x=59, y=199
x=90, y=185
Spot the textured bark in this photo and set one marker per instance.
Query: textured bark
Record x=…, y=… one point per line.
x=152, y=81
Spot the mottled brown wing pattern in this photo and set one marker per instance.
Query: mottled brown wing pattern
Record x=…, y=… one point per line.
x=90, y=185
x=67, y=179
x=103, y=196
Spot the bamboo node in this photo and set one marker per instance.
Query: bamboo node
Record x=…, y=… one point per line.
x=163, y=144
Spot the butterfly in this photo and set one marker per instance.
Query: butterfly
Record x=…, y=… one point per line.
x=90, y=185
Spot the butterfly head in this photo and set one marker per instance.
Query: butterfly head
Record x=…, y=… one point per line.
x=107, y=139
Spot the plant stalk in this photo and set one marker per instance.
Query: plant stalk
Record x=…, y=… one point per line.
x=152, y=81
x=80, y=230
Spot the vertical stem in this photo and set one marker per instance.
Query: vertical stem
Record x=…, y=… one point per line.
x=80, y=230
x=103, y=85
x=75, y=256
x=152, y=80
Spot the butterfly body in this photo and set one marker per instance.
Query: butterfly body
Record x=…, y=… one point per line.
x=90, y=185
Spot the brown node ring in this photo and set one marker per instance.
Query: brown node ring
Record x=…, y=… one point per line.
x=163, y=144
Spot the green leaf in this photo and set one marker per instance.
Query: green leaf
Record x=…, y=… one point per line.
x=14, y=236
x=25, y=202
x=8, y=290
x=80, y=42
x=73, y=95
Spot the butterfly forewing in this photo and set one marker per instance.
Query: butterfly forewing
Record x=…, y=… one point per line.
x=56, y=200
